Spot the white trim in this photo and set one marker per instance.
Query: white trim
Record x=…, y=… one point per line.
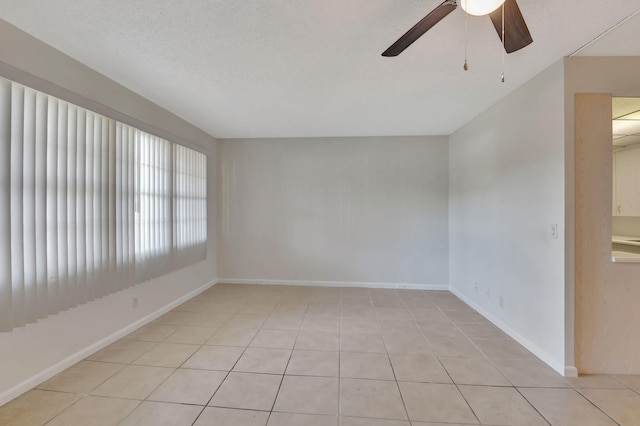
x=532, y=347
x=408, y=286
x=48, y=373
x=570, y=371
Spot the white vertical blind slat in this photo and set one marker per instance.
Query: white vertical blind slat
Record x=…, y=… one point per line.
x=29, y=207
x=153, y=210
x=171, y=199
x=103, y=224
x=94, y=204
x=131, y=203
x=183, y=200
x=97, y=207
x=178, y=198
x=51, y=188
x=142, y=193
x=41, y=204
x=191, y=197
x=160, y=200
x=62, y=241
x=128, y=208
x=203, y=203
x=17, y=296
x=81, y=206
x=164, y=187
x=119, y=200
x=90, y=202
x=73, y=225
x=138, y=200
x=195, y=200
x=166, y=204
x=6, y=317
x=149, y=212
x=111, y=223
x=152, y=215
x=185, y=196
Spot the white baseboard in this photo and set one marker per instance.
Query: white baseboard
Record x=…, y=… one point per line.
x=532, y=347
x=570, y=371
x=48, y=373
x=407, y=286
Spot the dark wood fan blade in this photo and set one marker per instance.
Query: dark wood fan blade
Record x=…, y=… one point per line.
x=516, y=33
x=420, y=28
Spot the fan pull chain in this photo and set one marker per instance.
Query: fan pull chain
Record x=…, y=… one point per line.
x=466, y=40
x=503, y=43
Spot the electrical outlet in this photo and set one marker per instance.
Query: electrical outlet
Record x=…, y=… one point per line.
x=488, y=292
x=134, y=302
x=501, y=301
x=476, y=286
x=554, y=231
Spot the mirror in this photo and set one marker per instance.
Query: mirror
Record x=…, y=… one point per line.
x=626, y=178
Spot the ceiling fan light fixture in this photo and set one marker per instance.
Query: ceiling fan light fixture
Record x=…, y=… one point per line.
x=480, y=7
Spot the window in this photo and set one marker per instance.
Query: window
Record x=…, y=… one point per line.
x=189, y=200
x=88, y=205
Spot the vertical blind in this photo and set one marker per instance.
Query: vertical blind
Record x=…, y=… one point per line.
x=88, y=205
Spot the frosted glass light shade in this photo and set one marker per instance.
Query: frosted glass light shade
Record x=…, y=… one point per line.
x=480, y=7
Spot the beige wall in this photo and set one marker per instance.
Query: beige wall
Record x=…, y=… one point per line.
x=34, y=353
x=607, y=295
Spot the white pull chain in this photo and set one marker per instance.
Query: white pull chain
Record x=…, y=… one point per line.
x=503, y=43
x=466, y=40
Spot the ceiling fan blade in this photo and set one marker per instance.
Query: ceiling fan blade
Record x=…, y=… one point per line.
x=420, y=28
x=516, y=33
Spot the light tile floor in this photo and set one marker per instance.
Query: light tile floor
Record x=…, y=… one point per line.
x=302, y=356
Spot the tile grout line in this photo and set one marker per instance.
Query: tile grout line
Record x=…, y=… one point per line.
x=286, y=366
x=222, y=381
x=593, y=404
x=404, y=405
x=226, y=375
x=83, y=395
x=448, y=374
x=491, y=362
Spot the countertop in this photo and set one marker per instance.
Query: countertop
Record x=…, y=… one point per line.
x=623, y=256
x=630, y=241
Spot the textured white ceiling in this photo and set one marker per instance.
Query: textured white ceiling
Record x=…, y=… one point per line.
x=289, y=68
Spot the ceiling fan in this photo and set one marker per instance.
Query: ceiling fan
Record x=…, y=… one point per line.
x=516, y=34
